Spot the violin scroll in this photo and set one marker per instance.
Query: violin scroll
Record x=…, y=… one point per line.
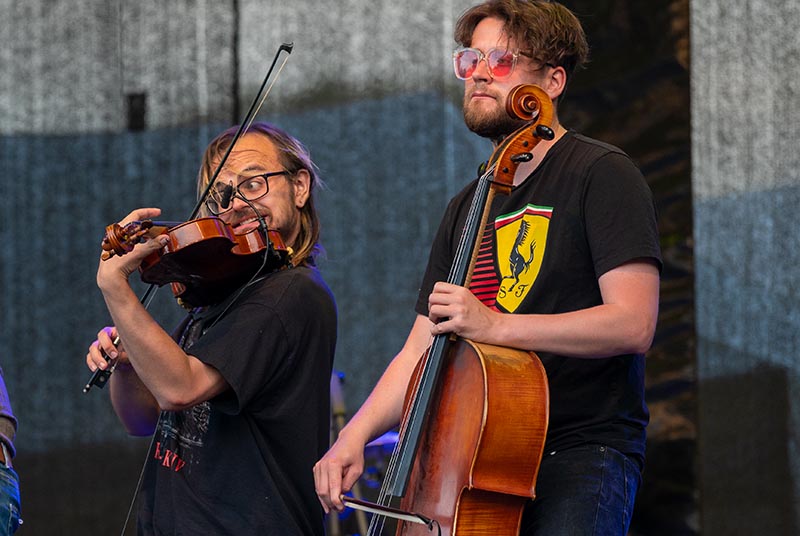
x=120, y=239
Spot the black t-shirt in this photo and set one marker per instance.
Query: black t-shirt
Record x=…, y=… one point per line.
x=242, y=462
x=585, y=210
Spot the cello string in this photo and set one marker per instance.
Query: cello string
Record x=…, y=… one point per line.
x=377, y=521
x=415, y=412
x=474, y=214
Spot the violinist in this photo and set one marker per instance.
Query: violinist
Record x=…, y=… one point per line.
x=239, y=399
x=573, y=275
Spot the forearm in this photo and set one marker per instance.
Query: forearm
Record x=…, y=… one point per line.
x=7, y=433
x=383, y=408
x=160, y=364
x=8, y=422
x=623, y=324
x=601, y=331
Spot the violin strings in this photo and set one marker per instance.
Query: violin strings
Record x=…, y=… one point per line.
x=253, y=278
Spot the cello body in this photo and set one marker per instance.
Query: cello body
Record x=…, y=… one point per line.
x=479, y=454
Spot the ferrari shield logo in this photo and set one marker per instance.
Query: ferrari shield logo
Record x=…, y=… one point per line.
x=521, y=241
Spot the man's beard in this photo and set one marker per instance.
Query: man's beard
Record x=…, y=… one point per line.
x=494, y=125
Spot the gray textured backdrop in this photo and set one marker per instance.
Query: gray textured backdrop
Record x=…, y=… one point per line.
x=746, y=181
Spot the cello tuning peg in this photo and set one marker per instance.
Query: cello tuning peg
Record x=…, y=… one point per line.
x=522, y=157
x=545, y=132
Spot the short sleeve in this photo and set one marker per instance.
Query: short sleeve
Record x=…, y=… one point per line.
x=620, y=215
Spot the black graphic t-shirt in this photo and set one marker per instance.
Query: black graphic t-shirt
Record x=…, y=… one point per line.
x=241, y=462
x=585, y=210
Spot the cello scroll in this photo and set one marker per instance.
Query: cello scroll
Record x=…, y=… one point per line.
x=530, y=103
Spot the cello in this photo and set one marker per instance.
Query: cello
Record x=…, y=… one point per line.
x=475, y=415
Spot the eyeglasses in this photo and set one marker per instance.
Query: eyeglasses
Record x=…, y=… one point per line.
x=251, y=189
x=499, y=61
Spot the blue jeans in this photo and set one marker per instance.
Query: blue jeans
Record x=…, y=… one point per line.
x=9, y=501
x=583, y=491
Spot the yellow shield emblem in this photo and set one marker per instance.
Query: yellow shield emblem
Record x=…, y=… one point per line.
x=521, y=241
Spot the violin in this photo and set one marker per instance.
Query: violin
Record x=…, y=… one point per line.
x=204, y=260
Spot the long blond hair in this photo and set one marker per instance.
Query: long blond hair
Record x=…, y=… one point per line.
x=294, y=157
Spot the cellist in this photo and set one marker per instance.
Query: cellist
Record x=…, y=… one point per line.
x=239, y=404
x=569, y=269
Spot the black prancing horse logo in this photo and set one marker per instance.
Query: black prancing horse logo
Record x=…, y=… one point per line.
x=517, y=262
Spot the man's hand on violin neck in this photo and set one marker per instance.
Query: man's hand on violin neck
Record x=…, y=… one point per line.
x=141, y=214
x=114, y=272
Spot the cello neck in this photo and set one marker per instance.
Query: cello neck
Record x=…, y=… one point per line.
x=428, y=379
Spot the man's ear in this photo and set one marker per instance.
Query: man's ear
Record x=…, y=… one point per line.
x=301, y=183
x=555, y=82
